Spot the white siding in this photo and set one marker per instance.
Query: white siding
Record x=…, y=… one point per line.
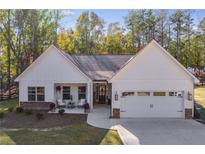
x=52, y=66
x=49, y=69
x=23, y=89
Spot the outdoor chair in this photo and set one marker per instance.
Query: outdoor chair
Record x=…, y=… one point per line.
x=81, y=103
x=61, y=103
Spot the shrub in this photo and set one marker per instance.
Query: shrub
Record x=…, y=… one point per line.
x=1, y=115
x=28, y=112
x=10, y=109
x=61, y=111
x=52, y=106
x=19, y=109
x=202, y=113
x=39, y=116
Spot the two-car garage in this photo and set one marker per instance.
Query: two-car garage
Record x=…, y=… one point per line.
x=158, y=104
x=153, y=84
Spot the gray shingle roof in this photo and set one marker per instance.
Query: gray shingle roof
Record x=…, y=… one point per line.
x=99, y=67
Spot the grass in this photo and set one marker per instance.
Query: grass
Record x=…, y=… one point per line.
x=200, y=96
x=82, y=134
x=4, y=105
x=200, y=99
x=73, y=134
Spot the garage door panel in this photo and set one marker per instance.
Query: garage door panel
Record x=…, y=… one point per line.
x=151, y=106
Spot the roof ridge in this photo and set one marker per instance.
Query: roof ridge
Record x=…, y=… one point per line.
x=101, y=54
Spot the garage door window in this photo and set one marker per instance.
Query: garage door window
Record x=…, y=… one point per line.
x=159, y=93
x=175, y=93
x=128, y=94
x=171, y=93
x=143, y=93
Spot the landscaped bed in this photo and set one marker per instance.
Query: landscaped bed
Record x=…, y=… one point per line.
x=22, y=128
x=19, y=120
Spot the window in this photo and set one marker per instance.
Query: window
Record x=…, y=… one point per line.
x=36, y=94
x=82, y=92
x=159, y=93
x=31, y=94
x=66, y=93
x=128, y=94
x=178, y=94
x=143, y=93
x=40, y=94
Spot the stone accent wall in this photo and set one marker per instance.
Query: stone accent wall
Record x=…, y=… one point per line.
x=188, y=113
x=35, y=105
x=116, y=113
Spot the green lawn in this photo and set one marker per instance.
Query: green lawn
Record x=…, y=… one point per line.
x=77, y=134
x=82, y=134
x=200, y=99
x=4, y=105
x=200, y=95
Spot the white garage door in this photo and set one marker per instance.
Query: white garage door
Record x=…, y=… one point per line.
x=152, y=104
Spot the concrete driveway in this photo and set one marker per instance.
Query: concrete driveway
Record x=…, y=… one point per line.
x=166, y=131
x=151, y=131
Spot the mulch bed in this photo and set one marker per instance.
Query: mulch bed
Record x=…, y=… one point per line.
x=21, y=120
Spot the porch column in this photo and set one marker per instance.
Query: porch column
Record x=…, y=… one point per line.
x=90, y=94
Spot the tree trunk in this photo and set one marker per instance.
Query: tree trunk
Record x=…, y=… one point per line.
x=9, y=58
x=204, y=49
x=1, y=83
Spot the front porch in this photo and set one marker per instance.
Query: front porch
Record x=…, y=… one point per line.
x=70, y=111
x=72, y=96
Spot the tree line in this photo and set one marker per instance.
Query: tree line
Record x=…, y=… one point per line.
x=25, y=34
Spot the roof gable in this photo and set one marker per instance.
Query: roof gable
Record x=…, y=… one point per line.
x=150, y=57
x=40, y=60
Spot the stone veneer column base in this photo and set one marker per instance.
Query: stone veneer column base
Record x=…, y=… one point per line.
x=116, y=113
x=188, y=113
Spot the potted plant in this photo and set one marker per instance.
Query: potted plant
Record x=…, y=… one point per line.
x=52, y=107
x=86, y=107
x=61, y=111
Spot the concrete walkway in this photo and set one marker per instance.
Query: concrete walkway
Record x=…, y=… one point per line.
x=148, y=131
x=100, y=118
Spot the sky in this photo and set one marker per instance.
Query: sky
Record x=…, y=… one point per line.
x=115, y=15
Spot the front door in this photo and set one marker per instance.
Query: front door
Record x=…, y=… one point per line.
x=102, y=93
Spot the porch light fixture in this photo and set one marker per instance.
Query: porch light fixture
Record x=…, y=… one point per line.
x=189, y=96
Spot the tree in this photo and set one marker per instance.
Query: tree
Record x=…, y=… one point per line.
x=89, y=27
x=178, y=22
x=135, y=24
x=114, y=40
x=197, y=49
x=187, y=40
x=202, y=31
x=161, y=27
x=150, y=24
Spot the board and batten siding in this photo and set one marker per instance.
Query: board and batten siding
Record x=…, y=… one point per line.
x=50, y=68
x=151, y=70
